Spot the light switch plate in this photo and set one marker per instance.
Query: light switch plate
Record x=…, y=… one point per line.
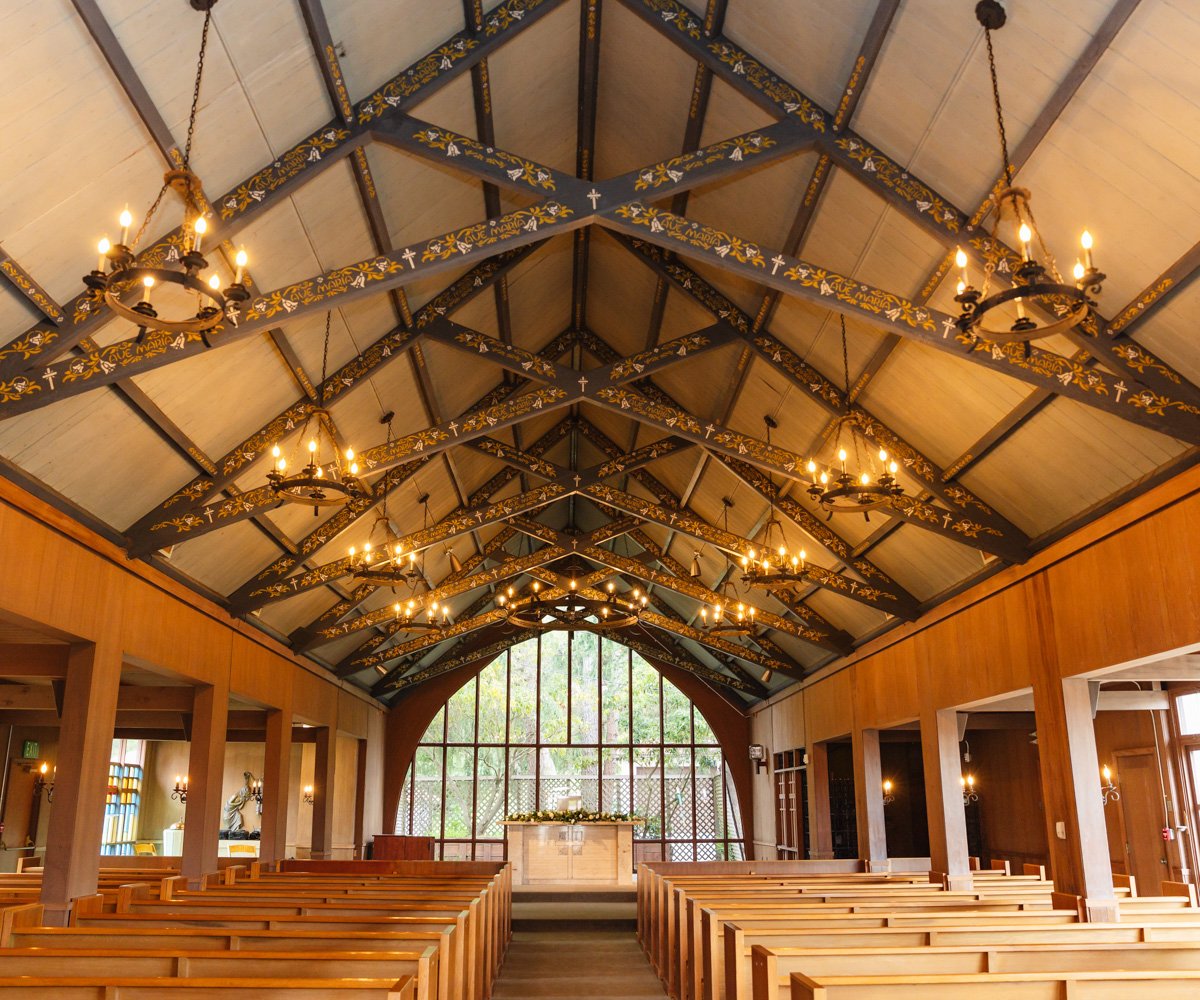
x=1060, y=828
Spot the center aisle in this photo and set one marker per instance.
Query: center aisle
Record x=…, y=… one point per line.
x=576, y=960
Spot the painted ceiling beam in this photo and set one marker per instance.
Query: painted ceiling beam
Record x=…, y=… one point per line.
x=351, y=375
x=818, y=530
x=457, y=523
x=908, y=194
x=292, y=168
x=333, y=289
x=694, y=526
x=888, y=311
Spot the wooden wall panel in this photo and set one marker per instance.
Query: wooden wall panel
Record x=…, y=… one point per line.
x=1131, y=595
x=885, y=688
x=353, y=715
x=787, y=724
x=829, y=709
x=762, y=782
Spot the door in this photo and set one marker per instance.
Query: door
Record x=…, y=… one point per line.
x=1141, y=814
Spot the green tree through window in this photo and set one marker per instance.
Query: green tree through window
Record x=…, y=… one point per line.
x=566, y=714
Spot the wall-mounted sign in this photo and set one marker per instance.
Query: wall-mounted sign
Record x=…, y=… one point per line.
x=31, y=749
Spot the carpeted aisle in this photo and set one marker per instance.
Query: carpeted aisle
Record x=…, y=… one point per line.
x=576, y=959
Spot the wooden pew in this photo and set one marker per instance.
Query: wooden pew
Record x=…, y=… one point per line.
x=213, y=965
x=111, y=987
x=1002, y=986
x=771, y=968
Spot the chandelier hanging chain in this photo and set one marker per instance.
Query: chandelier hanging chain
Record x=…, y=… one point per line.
x=1008, y=167
x=191, y=133
x=846, y=416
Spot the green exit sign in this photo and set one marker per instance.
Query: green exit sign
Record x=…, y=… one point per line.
x=30, y=749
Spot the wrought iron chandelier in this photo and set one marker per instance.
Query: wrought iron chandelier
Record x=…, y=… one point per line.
x=773, y=565
x=729, y=616
x=1037, y=282
x=416, y=616
x=316, y=484
x=845, y=492
x=118, y=274
x=571, y=610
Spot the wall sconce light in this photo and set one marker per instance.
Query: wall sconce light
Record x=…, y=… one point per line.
x=1108, y=791
x=40, y=783
x=888, y=789
x=307, y=798
x=256, y=795
x=180, y=790
x=968, y=789
x=758, y=754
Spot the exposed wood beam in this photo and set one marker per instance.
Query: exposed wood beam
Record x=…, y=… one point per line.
x=34, y=294
x=297, y=165
x=889, y=311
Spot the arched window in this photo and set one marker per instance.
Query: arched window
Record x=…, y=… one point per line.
x=571, y=713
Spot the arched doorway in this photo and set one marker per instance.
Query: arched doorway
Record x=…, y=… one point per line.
x=565, y=714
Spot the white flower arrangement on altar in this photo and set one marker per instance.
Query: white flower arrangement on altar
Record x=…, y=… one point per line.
x=571, y=817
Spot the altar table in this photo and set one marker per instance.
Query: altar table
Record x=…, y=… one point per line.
x=587, y=853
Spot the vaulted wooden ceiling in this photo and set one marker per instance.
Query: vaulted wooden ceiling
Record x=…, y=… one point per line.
x=581, y=249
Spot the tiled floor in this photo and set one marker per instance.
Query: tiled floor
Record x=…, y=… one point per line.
x=574, y=960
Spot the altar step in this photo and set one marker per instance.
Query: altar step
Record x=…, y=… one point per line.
x=546, y=907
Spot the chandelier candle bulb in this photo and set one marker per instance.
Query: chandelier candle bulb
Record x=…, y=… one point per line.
x=960, y=261
x=1025, y=234
x=103, y=247
x=240, y=260
x=126, y=220
x=214, y=283
x=147, y=284
x=199, y=227
x=1085, y=241
x=1078, y=272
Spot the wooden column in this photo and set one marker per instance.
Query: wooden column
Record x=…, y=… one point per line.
x=277, y=790
x=868, y=799
x=360, y=801
x=89, y=714
x=322, y=810
x=943, y=797
x=820, y=831
x=1079, y=859
x=206, y=769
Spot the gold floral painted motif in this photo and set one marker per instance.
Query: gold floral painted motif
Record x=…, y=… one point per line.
x=411, y=81
x=518, y=170
x=638, y=363
x=738, y=149
x=35, y=294
x=123, y=354
x=339, y=85
x=498, y=449
x=484, y=234
x=1131, y=311
x=763, y=80
x=1141, y=361
x=294, y=162
x=787, y=360
x=29, y=345
x=702, y=237
x=1070, y=373
x=315, y=290
x=713, y=301
x=649, y=452
x=927, y=513
x=894, y=177
x=234, y=508
x=676, y=15
x=490, y=345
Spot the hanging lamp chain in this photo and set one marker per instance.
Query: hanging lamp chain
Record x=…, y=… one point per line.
x=1008, y=168
x=191, y=132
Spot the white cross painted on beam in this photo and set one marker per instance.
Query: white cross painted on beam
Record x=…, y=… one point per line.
x=1121, y=388
x=583, y=383
x=408, y=256
x=453, y=428
x=948, y=324
x=594, y=196
x=778, y=261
